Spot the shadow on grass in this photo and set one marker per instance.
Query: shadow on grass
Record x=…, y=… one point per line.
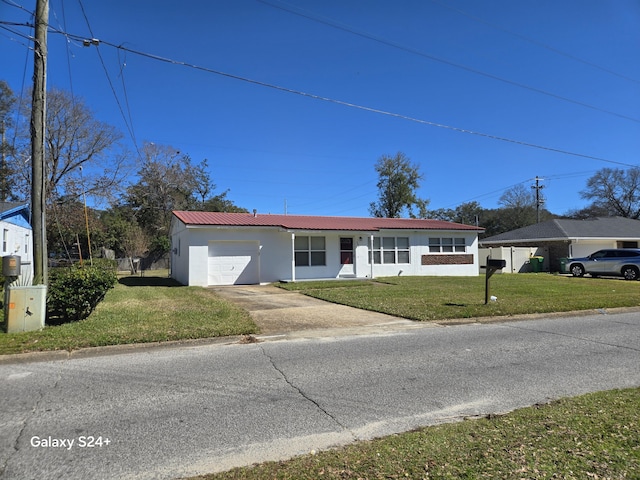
x=149, y=282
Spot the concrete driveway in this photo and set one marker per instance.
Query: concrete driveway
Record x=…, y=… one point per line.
x=280, y=312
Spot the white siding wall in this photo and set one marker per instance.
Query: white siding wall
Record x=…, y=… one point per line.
x=517, y=258
x=584, y=248
x=190, y=262
x=179, y=252
x=419, y=246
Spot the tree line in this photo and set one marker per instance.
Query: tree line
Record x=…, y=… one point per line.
x=86, y=158
x=612, y=192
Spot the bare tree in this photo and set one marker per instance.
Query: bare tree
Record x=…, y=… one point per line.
x=7, y=167
x=615, y=191
x=81, y=154
x=135, y=245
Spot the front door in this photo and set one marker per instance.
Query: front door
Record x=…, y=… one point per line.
x=346, y=256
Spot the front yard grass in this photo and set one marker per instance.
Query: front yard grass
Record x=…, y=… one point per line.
x=140, y=310
x=440, y=298
x=595, y=436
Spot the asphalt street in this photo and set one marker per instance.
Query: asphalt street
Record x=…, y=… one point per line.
x=170, y=413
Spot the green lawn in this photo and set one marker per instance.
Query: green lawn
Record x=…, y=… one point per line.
x=438, y=298
x=595, y=436
x=153, y=309
x=140, y=310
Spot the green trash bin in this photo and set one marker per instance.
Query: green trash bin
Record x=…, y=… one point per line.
x=536, y=264
x=563, y=265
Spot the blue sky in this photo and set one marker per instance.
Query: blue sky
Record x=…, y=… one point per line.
x=564, y=76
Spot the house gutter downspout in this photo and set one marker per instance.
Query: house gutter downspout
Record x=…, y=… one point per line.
x=371, y=254
x=293, y=257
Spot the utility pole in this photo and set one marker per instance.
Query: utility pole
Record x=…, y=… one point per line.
x=539, y=198
x=38, y=170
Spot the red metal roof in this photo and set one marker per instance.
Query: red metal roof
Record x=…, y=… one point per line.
x=304, y=222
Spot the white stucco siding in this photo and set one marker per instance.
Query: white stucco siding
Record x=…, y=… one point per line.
x=274, y=251
x=442, y=266
x=333, y=267
x=192, y=251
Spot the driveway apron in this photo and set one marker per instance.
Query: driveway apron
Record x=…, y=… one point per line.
x=277, y=311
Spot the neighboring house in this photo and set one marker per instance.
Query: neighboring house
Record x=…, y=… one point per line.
x=16, y=234
x=211, y=248
x=566, y=238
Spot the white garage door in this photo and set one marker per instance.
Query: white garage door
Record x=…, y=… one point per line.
x=232, y=263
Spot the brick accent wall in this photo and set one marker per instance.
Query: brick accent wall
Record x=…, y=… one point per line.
x=459, y=259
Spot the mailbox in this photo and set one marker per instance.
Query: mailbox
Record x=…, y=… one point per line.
x=496, y=263
x=493, y=264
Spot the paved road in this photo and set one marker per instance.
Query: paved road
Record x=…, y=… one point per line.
x=170, y=413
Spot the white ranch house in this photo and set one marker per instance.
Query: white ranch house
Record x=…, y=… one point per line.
x=212, y=248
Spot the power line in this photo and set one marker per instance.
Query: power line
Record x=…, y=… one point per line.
x=113, y=90
x=349, y=104
x=334, y=24
x=332, y=100
x=535, y=42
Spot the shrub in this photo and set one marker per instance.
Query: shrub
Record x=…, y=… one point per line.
x=75, y=291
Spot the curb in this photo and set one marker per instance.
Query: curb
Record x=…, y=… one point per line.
x=107, y=350
x=91, y=352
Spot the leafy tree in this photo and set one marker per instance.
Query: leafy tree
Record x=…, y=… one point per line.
x=467, y=213
x=168, y=181
x=117, y=221
x=615, y=191
x=7, y=173
x=67, y=232
x=398, y=180
x=220, y=203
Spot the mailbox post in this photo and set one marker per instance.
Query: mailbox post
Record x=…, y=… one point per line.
x=493, y=265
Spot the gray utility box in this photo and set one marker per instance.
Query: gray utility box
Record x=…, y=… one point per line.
x=25, y=308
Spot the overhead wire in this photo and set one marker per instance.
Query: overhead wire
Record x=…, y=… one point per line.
x=354, y=105
x=332, y=100
x=334, y=24
x=327, y=99
x=113, y=90
x=534, y=42
x=68, y=52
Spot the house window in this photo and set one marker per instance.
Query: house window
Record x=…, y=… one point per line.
x=626, y=244
x=447, y=245
x=389, y=250
x=5, y=239
x=310, y=251
x=26, y=244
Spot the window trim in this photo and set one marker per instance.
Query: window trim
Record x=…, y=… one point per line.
x=377, y=253
x=447, y=245
x=309, y=251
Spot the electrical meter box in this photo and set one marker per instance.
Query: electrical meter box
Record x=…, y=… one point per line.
x=25, y=308
x=11, y=266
